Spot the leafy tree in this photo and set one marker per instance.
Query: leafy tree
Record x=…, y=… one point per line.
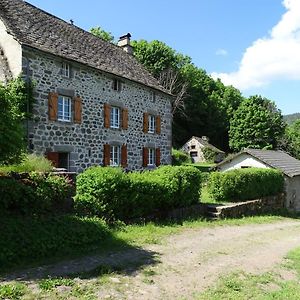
x=257, y=123
x=291, y=139
x=14, y=98
x=105, y=35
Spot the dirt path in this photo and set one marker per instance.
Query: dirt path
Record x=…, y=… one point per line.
x=190, y=261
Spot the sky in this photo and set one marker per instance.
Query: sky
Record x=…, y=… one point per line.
x=253, y=45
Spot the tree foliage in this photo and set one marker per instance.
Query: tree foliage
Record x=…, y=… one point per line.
x=291, y=139
x=101, y=33
x=14, y=98
x=257, y=123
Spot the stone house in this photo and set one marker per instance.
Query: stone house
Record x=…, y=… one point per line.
x=94, y=103
x=196, y=146
x=280, y=160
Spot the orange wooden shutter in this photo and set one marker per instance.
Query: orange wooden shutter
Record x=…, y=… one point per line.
x=77, y=110
x=54, y=158
x=52, y=106
x=145, y=157
x=106, y=115
x=146, y=123
x=157, y=156
x=106, y=155
x=158, y=125
x=124, y=156
x=125, y=118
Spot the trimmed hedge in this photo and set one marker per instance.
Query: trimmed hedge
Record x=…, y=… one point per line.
x=245, y=184
x=26, y=240
x=34, y=194
x=112, y=194
x=179, y=157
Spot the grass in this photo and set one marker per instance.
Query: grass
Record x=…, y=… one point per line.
x=270, y=285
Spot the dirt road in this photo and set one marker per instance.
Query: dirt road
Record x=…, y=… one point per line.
x=190, y=261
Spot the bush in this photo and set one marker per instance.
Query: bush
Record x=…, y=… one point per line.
x=25, y=240
x=29, y=163
x=35, y=194
x=245, y=184
x=179, y=158
x=209, y=154
x=112, y=194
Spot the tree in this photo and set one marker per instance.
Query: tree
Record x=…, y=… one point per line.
x=291, y=139
x=101, y=33
x=14, y=99
x=257, y=123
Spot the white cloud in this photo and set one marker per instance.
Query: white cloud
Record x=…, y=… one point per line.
x=221, y=52
x=271, y=58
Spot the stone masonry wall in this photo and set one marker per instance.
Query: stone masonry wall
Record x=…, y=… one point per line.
x=85, y=141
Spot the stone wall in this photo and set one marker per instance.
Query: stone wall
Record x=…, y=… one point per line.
x=253, y=207
x=85, y=141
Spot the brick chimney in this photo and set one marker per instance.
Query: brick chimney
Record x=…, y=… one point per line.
x=124, y=42
x=205, y=138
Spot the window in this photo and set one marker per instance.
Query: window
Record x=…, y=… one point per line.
x=151, y=157
x=64, y=109
x=193, y=147
x=117, y=85
x=63, y=160
x=115, y=117
x=115, y=156
x=151, y=124
x=65, y=69
x=193, y=153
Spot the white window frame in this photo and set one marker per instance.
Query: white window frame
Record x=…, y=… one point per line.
x=65, y=69
x=66, y=104
x=151, y=124
x=117, y=85
x=151, y=157
x=115, y=117
x=115, y=156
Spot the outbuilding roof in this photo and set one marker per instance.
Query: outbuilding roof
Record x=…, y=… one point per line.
x=280, y=160
x=38, y=29
x=206, y=144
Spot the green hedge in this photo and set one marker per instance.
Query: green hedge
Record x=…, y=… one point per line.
x=112, y=194
x=245, y=184
x=34, y=194
x=179, y=157
x=26, y=240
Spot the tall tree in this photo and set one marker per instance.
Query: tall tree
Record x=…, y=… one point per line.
x=257, y=123
x=101, y=33
x=291, y=139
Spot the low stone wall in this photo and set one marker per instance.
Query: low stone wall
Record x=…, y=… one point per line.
x=253, y=207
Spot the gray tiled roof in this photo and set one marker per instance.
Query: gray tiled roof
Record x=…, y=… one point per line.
x=280, y=160
x=38, y=29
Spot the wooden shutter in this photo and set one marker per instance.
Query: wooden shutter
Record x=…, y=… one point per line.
x=125, y=118
x=107, y=108
x=54, y=158
x=106, y=155
x=145, y=157
x=124, y=156
x=158, y=125
x=146, y=123
x=157, y=157
x=77, y=110
x=52, y=106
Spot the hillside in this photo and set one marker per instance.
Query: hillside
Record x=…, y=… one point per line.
x=291, y=118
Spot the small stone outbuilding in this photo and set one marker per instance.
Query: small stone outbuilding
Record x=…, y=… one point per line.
x=280, y=160
x=196, y=146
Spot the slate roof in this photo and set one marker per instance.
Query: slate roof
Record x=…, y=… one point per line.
x=35, y=28
x=289, y=165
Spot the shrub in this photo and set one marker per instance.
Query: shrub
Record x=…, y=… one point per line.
x=101, y=192
x=112, y=194
x=29, y=163
x=35, y=194
x=179, y=157
x=209, y=154
x=245, y=184
x=25, y=240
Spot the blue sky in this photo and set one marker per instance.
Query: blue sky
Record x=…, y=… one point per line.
x=252, y=44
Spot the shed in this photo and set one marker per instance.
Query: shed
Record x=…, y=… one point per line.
x=195, y=148
x=279, y=160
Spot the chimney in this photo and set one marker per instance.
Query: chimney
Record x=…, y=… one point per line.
x=205, y=138
x=124, y=42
